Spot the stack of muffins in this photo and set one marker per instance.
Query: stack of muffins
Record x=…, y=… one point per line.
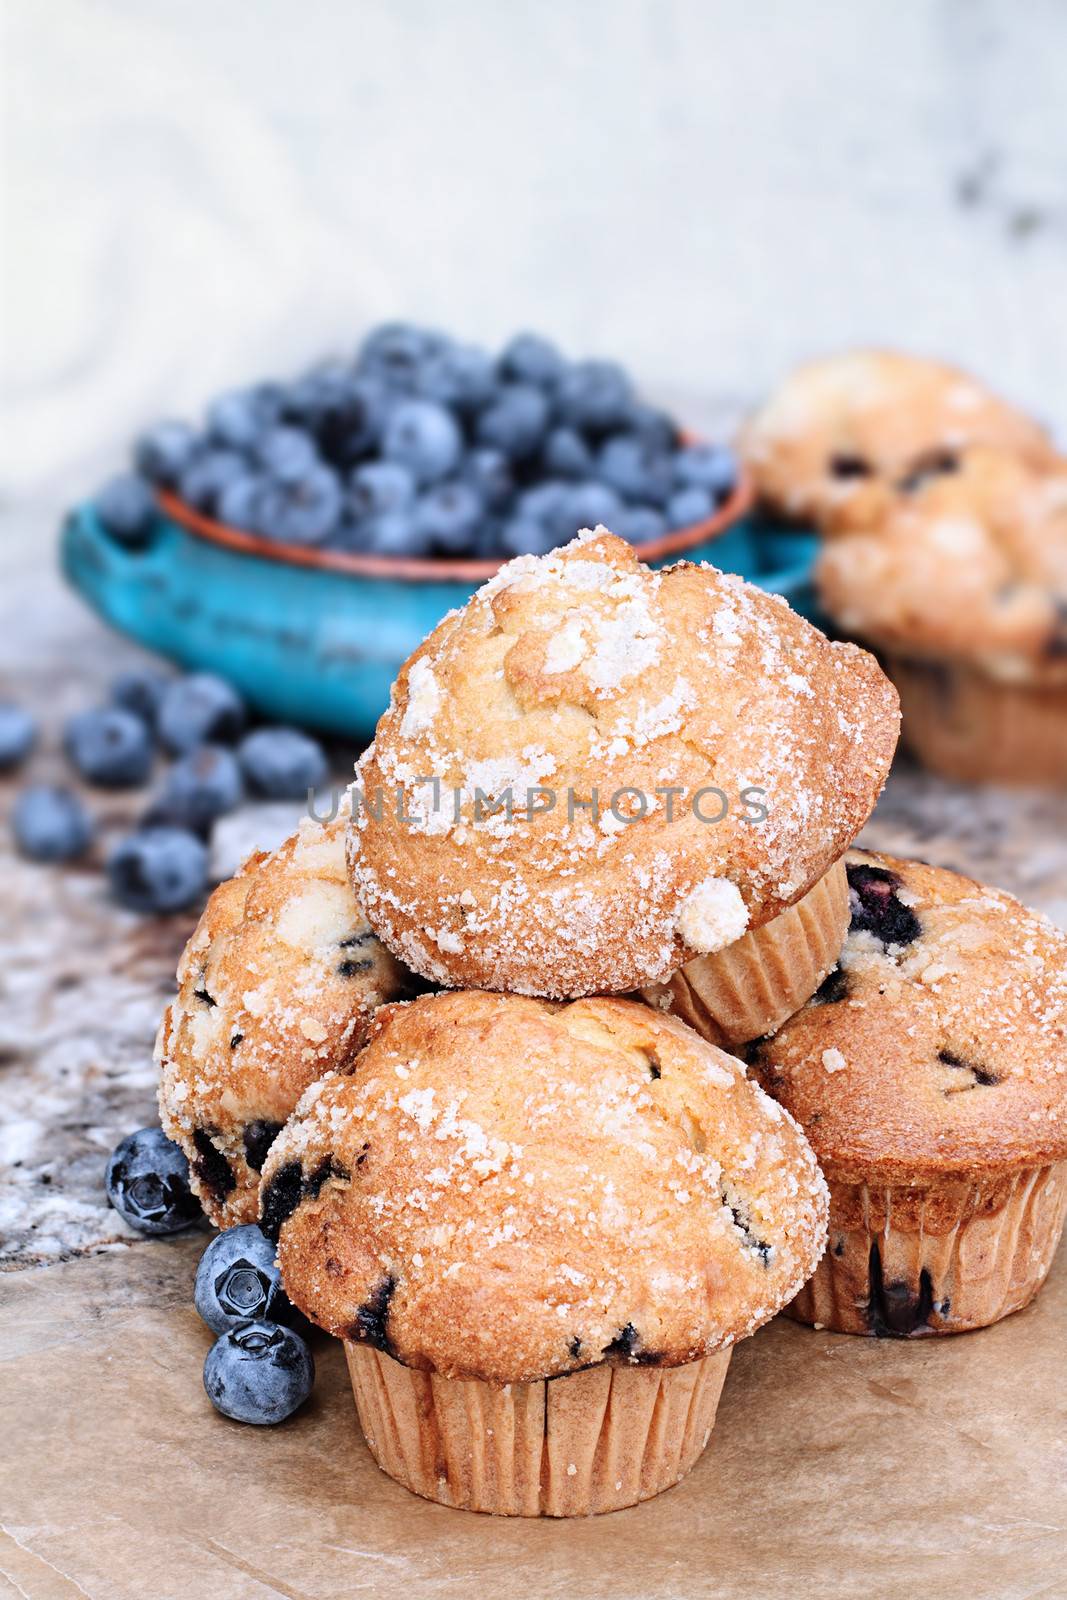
x=606, y=822
x=944, y=514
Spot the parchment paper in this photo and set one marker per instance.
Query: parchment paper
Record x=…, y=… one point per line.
x=838, y=1467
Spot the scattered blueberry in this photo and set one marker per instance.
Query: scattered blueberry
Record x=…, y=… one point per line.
x=258, y=1372
x=237, y=1281
x=528, y=358
x=159, y=869
x=240, y=503
x=110, y=747
x=51, y=824
x=396, y=353
x=394, y=533
x=199, y=787
x=18, y=734
x=516, y=420
x=141, y=691
x=447, y=516
x=594, y=396
x=380, y=487
x=164, y=452
x=199, y=709
x=635, y=470
x=126, y=507
x=458, y=376
x=423, y=437
x=238, y=418
x=148, y=1183
x=282, y=763
x=207, y=475
x=567, y=454
x=587, y=505
x=523, y=536
x=639, y=524
x=304, y=511
x=706, y=466
x=490, y=473
x=287, y=453
x=688, y=506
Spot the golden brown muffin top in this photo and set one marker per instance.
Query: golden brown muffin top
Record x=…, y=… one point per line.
x=938, y=1046
x=508, y=1189
x=845, y=432
x=587, y=677
x=276, y=986
x=969, y=566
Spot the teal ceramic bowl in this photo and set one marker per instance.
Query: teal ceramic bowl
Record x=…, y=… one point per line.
x=316, y=637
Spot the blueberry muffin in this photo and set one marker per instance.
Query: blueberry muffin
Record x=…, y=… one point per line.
x=930, y=1074
x=595, y=773
x=539, y=1230
x=275, y=987
x=846, y=433
x=962, y=585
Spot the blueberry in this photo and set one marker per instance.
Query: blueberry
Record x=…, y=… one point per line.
x=396, y=353
x=148, y=1183
x=236, y=419
x=567, y=455
x=423, y=437
x=287, y=453
x=126, y=507
x=163, y=453
x=634, y=470
x=206, y=477
x=282, y=763
x=199, y=787
x=240, y=503
x=586, y=505
x=490, y=474
x=345, y=413
x=515, y=421
x=528, y=358
x=199, y=709
x=258, y=1372
x=110, y=747
x=157, y=870
x=303, y=512
x=18, y=735
x=237, y=1281
x=51, y=824
x=447, y=516
x=544, y=503
x=458, y=376
x=380, y=487
x=523, y=536
x=594, y=396
x=706, y=466
x=688, y=506
x=653, y=427
x=639, y=524
x=394, y=533
x=141, y=691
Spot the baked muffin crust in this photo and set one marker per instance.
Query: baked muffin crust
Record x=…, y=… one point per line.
x=507, y=1189
x=655, y=696
x=275, y=987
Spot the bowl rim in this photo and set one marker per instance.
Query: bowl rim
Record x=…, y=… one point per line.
x=430, y=569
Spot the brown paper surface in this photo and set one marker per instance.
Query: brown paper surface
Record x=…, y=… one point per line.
x=838, y=1467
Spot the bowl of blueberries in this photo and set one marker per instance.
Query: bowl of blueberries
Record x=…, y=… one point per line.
x=305, y=538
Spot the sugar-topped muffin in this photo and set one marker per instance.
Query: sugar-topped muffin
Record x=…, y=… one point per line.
x=847, y=432
x=502, y=1191
x=962, y=583
x=930, y=1073
x=276, y=986
x=594, y=773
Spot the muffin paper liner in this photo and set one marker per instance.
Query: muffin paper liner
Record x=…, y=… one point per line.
x=572, y=1446
x=965, y=725
x=908, y=1262
x=752, y=986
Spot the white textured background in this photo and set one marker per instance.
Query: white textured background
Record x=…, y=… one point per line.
x=203, y=191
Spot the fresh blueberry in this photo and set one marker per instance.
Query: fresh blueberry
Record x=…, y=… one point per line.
x=141, y=691
x=489, y=472
x=199, y=787
x=527, y=358
x=594, y=396
x=545, y=503
x=380, y=487
x=634, y=470
x=18, y=734
x=258, y=1372
x=237, y=1281
x=706, y=466
x=396, y=353
x=126, y=507
x=524, y=536
x=656, y=430
x=158, y=870
x=394, y=533
x=240, y=502
x=207, y=475
x=110, y=747
x=423, y=437
x=199, y=709
x=447, y=516
x=51, y=824
x=587, y=505
x=148, y=1183
x=458, y=376
x=688, y=506
x=287, y=453
x=639, y=524
x=567, y=455
x=282, y=763
x=515, y=421
x=237, y=419
x=345, y=412
x=163, y=453
x=303, y=512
